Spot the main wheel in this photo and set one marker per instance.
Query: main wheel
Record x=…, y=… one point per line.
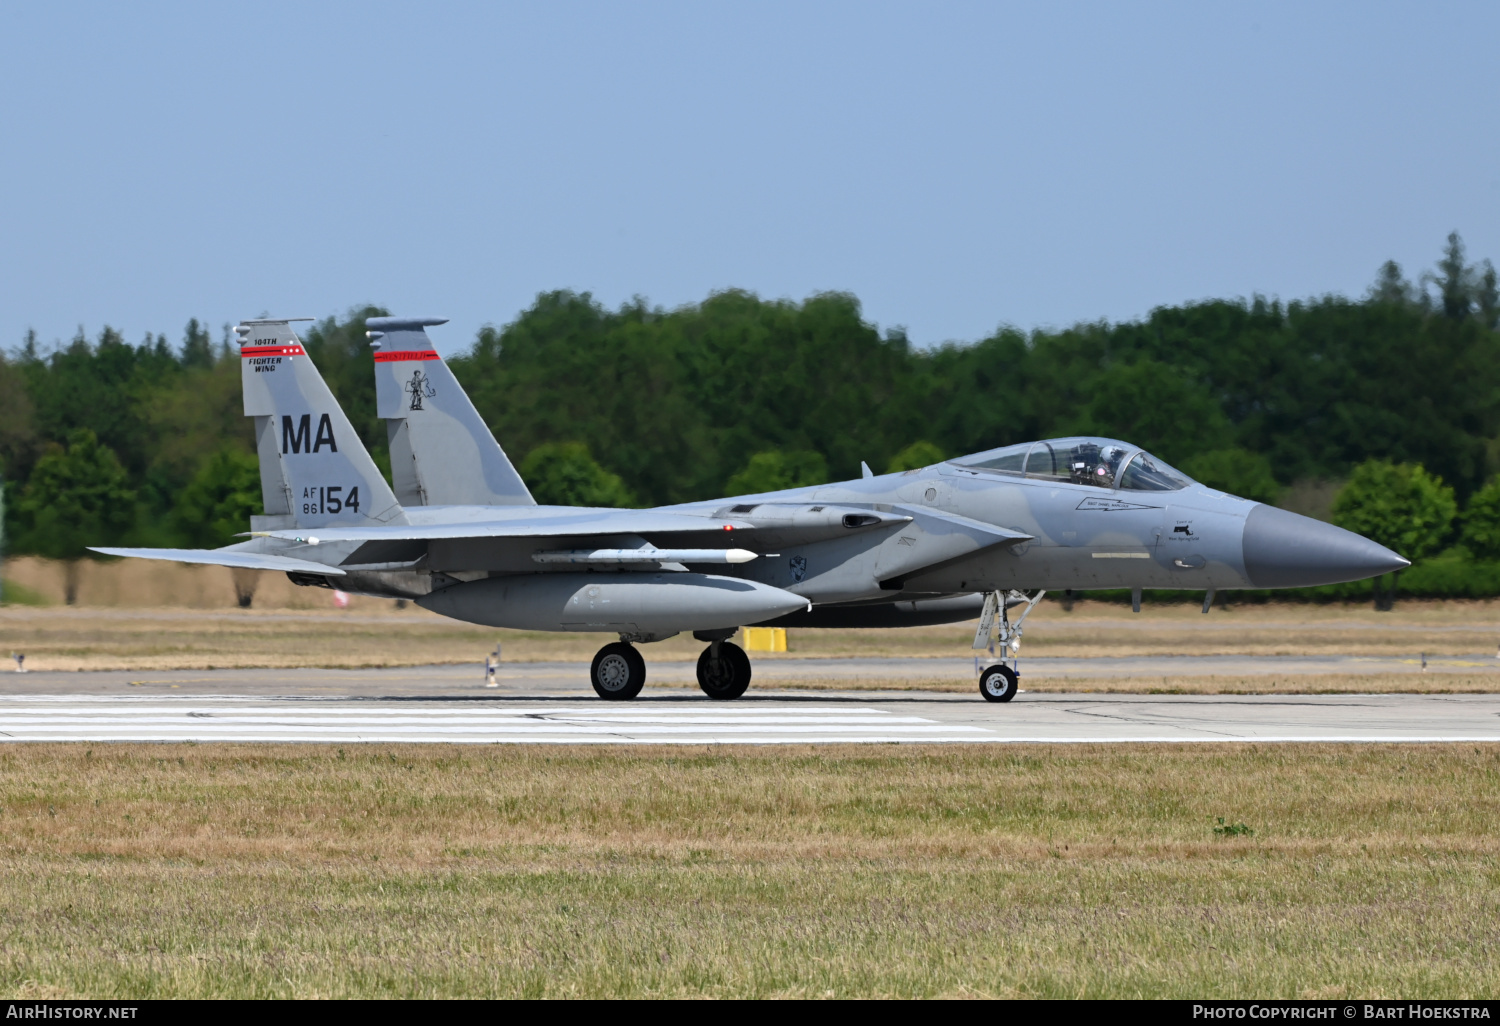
x=726, y=674
x=618, y=672
x=998, y=683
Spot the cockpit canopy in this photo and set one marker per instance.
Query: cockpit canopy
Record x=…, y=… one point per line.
x=1101, y=462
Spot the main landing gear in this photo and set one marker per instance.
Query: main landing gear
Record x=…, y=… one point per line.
x=618, y=672
x=723, y=670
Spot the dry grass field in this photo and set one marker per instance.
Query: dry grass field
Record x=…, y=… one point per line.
x=1173, y=871
x=310, y=870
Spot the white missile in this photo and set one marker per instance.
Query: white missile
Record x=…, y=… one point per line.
x=646, y=555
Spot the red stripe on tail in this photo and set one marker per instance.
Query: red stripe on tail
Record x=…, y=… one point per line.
x=402, y=355
x=273, y=351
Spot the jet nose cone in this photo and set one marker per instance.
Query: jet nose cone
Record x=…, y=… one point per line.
x=1286, y=550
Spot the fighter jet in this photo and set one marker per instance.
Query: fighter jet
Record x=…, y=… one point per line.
x=978, y=535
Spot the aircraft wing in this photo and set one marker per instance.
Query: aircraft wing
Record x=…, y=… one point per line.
x=540, y=522
x=224, y=557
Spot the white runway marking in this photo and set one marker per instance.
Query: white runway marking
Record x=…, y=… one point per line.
x=235, y=719
x=774, y=718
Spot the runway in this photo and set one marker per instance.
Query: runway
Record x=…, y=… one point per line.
x=766, y=717
x=568, y=678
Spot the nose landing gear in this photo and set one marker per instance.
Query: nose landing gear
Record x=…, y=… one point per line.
x=618, y=672
x=999, y=683
x=723, y=670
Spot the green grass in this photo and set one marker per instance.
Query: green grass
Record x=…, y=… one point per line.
x=15, y=594
x=1158, y=871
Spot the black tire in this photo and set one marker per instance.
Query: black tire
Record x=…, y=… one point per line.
x=998, y=683
x=618, y=672
x=727, y=676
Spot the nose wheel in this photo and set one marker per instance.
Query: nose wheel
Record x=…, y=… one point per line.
x=723, y=670
x=618, y=672
x=998, y=683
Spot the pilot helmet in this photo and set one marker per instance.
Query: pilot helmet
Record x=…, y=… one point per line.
x=1109, y=460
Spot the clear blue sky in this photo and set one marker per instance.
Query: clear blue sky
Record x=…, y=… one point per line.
x=957, y=166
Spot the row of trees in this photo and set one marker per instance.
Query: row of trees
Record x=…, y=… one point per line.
x=1251, y=395
x=104, y=440
x=1411, y=511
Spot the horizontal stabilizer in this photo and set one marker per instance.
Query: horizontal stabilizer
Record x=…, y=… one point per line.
x=222, y=557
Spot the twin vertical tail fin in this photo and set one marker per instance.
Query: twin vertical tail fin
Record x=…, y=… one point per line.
x=314, y=470
x=442, y=453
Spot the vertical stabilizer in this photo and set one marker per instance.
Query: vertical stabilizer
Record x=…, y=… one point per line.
x=313, y=467
x=442, y=453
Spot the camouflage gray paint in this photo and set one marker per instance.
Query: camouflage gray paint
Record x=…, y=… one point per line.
x=1080, y=513
x=922, y=546
x=425, y=410
x=313, y=466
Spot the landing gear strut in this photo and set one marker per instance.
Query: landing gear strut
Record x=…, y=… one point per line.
x=723, y=670
x=999, y=683
x=618, y=672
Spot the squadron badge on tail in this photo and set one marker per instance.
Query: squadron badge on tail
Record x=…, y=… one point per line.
x=420, y=388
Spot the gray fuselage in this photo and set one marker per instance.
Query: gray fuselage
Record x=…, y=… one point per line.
x=927, y=543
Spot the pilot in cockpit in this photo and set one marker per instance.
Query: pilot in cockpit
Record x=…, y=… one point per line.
x=1109, y=457
x=1082, y=461
x=1090, y=464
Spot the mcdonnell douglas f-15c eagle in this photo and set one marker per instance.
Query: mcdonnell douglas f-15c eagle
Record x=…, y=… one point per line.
x=978, y=535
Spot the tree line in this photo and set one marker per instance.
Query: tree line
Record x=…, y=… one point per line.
x=104, y=440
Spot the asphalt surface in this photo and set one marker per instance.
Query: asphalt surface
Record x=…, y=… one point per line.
x=572, y=678
x=551, y=702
